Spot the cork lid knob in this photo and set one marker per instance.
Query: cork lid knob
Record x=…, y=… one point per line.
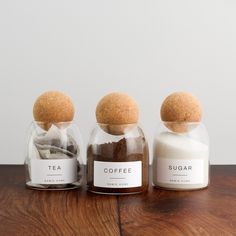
x=116, y=112
x=180, y=108
x=53, y=107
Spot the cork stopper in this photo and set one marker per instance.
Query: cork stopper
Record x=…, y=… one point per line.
x=117, y=112
x=53, y=107
x=180, y=108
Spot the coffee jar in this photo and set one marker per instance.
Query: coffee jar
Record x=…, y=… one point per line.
x=117, y=164
x=117, y=153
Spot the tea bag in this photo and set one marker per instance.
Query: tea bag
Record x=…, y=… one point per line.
x=56, y=144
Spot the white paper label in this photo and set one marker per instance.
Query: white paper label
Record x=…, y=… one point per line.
x=54, y=171
x=172, y=171
x=117, y=174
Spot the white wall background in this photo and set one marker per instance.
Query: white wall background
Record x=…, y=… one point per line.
x=146, y=48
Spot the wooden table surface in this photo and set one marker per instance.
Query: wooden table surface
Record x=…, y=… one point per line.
x=76, y=212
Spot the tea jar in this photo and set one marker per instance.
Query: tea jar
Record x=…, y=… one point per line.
x=53, y=152
x=53, y=158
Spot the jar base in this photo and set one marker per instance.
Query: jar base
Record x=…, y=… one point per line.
x=115, y=194
x=117, y=191
x=60, y=187
x=179, y=189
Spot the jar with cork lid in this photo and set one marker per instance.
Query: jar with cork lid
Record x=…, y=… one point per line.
x=181, y=145
x=53, y=154
x=117, y=153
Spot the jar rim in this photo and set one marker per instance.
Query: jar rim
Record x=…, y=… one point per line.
x=106, y=124
x=61, y=123
x=182, y=122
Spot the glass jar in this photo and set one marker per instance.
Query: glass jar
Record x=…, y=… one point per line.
x=117, y=160
x=181, y=156
x=53, y=157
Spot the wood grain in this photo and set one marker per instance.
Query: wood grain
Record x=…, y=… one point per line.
x=204, y=212
x=30, y=212
x=26, y=212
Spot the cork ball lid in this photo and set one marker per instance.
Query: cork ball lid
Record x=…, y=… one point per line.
x=117, y=108
x=53, y=107
x=181, y=112
x=181, y=107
